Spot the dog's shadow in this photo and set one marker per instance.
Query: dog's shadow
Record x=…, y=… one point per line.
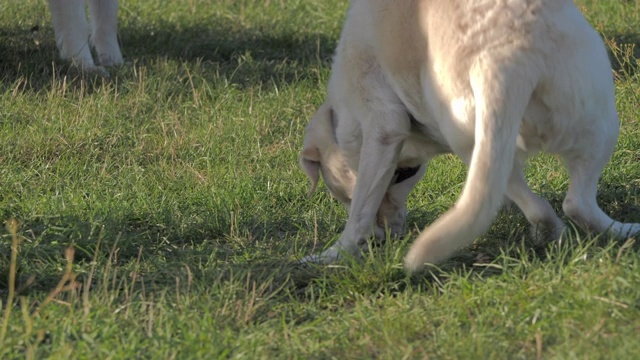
x=624, y=50
x=281, y=278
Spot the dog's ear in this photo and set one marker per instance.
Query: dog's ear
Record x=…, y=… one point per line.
x=310, y=162
x=319, y=134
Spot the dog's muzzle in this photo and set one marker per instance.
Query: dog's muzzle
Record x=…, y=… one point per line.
x=403, y=174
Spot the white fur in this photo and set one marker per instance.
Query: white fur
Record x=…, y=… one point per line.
x=73, y=34
x=489, y=80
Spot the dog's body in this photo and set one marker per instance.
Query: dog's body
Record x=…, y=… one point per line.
x=489, y=80
x=73, y=34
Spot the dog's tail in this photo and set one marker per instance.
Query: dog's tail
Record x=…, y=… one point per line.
x=501, y=90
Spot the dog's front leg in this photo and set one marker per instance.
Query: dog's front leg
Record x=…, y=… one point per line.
x=392, y=212
x=378, y=159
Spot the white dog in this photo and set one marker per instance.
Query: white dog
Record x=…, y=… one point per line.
x=489, y=80
x=73, y=35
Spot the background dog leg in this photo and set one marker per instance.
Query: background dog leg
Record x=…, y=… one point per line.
x=72, y=32
x=104, y=31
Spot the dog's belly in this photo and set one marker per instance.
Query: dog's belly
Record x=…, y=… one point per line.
x=421, y=145
x=536, y=129
x=443, y=129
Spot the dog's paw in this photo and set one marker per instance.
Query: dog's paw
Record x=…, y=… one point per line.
x=547, y=231
x=329, y=256
x=112, y=58
x=311, y=259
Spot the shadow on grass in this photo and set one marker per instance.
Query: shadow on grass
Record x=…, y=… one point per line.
x=624, y=53
x=610, y=198
x=160, y=244
x=29, y=55
x=257, y=246
x=128, y=266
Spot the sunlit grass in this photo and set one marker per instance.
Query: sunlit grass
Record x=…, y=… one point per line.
x=161, y=210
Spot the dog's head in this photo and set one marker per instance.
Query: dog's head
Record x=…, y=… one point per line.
x=321, y=155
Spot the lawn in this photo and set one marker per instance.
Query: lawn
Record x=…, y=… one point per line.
x=160, y=212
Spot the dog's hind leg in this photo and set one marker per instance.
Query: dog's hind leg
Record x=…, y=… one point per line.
x=545, y=224
x=501, y=90
x=585, y=166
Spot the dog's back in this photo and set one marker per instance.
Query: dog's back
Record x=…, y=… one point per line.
x=426, y=50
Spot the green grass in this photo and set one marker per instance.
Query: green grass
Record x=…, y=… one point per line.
x=176, y=182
